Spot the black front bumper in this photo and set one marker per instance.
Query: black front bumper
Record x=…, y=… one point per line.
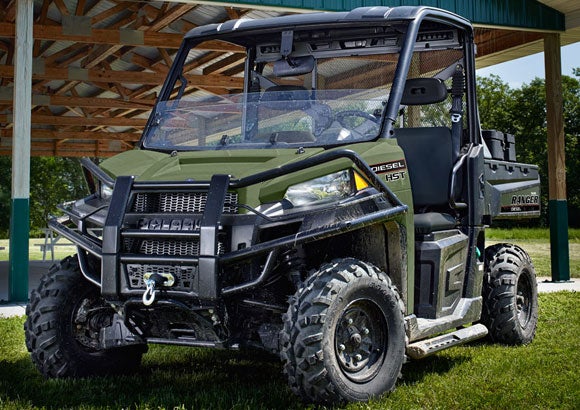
x=135, y=238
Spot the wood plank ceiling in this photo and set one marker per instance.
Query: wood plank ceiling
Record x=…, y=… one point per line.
x=98, y=65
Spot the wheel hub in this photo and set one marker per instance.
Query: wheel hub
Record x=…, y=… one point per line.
x=360, y=339
x=88, y=320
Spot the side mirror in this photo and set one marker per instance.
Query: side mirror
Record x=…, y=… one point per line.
x=420, y=91
x=294, y=66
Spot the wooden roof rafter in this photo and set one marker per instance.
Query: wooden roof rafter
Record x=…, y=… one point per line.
x=99, y=65
x=102, y=77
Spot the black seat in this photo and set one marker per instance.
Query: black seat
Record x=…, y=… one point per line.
x=286, y=98
x=428, y=152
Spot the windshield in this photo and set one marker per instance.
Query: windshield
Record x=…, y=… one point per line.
x=331, y=89
x=278, y=117
x=338, y=100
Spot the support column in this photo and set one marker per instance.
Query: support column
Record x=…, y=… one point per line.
x=20, y=215
x=558, y=206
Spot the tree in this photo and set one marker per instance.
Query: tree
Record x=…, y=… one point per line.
x=53, y=180
x=522, y=112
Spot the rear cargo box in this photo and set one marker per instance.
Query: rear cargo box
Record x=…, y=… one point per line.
x=501, y=146
x=512, y=190
x=509, y=149
x=494, y=141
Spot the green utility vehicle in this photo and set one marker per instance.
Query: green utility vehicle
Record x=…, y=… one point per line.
x=332, y=211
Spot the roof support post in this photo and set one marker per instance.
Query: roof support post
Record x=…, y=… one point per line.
x=20, y=215
x=558, y=208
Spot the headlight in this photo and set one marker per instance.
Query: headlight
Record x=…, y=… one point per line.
x=331, y=187
x=105, y=191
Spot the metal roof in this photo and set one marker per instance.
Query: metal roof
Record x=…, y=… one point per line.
x=527, y=14
x=376, y=14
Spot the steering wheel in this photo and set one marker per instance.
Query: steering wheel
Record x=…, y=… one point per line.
x=340, y=117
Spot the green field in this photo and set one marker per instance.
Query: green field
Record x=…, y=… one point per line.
x=537, y=243
x=542, y=375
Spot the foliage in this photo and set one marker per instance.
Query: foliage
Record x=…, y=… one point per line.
x=5, y=195
x=180, y=377
x=53, y=180
x=522, y=112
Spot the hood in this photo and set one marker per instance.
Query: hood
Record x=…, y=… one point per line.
x=200, y=165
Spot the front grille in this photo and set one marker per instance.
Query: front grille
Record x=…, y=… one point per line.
x=178, y=202
x=158, y=214
x=169, y=247
x=183, y=275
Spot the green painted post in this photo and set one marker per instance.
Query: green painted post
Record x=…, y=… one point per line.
x=557, y=205
x=19, y=236
x=20, y=215
x=559, y=252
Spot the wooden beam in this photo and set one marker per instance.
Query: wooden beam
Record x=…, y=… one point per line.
x=73, y=49
x=112, y=11
x=555, y=117
x=173, y=14
x=61, y=7
x=41, y=19
x=80, y=9
x=81, y=121
x=118, y=36
x=144, y=62
x=224, y=64
x=38, y=134
x=9, y=14
x=90, y=102
x=102, y=148
x=212, y=55
x=491, y=41
x=98, y=54
x=126, y=77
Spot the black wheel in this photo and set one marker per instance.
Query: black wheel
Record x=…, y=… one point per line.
x=64, y=319
x=344, y=334
x=510, y=295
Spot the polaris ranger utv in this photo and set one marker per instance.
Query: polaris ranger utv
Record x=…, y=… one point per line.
x=331, y=212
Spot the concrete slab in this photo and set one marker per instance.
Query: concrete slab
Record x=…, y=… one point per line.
x=12, y=310
x=545, y=285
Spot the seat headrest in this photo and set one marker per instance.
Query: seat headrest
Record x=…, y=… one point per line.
x=421, y=91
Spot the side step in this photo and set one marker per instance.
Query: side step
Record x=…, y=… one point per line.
x=423, y=348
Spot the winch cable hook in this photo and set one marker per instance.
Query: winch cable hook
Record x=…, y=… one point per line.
x=151, y=284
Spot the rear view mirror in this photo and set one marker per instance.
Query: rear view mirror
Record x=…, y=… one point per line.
x=293, y=66
x=420, y=91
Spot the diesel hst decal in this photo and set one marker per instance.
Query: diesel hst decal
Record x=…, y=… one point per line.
x=392, y=169
x=390, y=166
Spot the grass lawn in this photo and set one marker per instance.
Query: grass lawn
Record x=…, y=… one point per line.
x=542, y=375
x=537, y=243
x=63, y=249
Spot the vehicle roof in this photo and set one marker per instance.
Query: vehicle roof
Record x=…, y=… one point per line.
x=377, y=14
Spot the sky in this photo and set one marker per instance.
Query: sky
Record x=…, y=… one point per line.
x=525, y=69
